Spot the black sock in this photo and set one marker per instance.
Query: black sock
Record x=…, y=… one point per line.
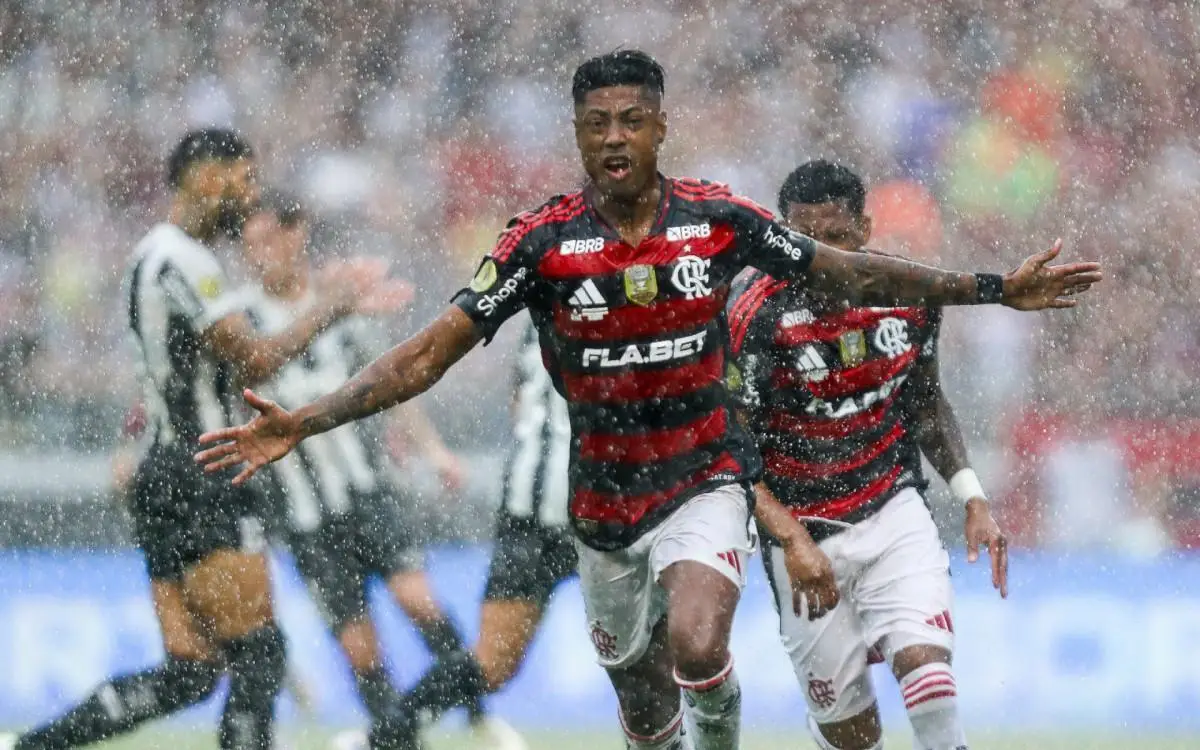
x=125, y=702
x=378, y=695
x=441, y=636
x=444, y=639
x=454, y=681
x=256, y=664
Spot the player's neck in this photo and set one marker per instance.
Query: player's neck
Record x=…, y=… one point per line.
x=630, y=216
x=188, y=217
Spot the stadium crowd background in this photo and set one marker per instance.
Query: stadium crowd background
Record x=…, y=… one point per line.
x=985, y=129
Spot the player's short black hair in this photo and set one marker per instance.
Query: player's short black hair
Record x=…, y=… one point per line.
x=205, y=145
x=284, y=206
x=822, y=181
x=622, y=67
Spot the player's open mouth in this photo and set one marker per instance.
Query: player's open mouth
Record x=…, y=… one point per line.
x=617, y=167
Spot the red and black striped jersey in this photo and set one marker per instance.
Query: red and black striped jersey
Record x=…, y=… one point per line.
x=825, y=388
x=635, y=339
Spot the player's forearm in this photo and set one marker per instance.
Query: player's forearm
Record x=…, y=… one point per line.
x=774, y=517
x=940, y=437
x=268, y=355
x=871, y=279
x=402, y=373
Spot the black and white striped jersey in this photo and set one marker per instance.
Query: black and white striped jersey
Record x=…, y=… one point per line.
x=536, y=483
x=176, y=289
x=325, y=471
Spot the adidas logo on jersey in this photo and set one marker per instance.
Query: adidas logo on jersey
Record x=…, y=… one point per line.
x=587, y=303
x=689, y=232
x=581, y=247
x=812, y=364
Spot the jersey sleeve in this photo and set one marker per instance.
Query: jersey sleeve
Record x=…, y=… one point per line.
x=768, y=245
x=504, y=279
x=196, y=287
x=752, y=312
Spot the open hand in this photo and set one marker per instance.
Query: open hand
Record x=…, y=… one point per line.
x=268, y=437
x=983, y=531
x=1035, y=285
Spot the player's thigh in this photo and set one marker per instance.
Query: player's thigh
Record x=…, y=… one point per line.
x=231, y=590
x=183, y=636
x=360, y=643
x=828, y=655
x=622, y=601
x=699, y=556
x=905, y=597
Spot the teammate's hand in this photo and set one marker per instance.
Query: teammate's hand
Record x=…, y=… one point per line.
x=983, y=531
x=814, y=586
x=1035, y=285
x=266, y=438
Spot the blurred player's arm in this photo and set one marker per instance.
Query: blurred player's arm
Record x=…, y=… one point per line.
x=941, y=440
x=342, y=289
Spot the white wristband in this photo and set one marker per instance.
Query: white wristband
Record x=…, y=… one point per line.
x=965, y=485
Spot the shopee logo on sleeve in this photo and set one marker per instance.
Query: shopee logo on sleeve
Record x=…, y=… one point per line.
x=783, y=242
x=489, y=303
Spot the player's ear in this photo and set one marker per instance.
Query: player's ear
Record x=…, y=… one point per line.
x=660, y=125
x=865, y=225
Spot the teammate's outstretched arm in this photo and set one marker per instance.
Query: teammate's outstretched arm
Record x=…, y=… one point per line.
x=871, y=279
x=405, y=371
x=941, y=441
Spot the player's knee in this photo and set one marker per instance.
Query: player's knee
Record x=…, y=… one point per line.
x=916, y=655
x=699, y=652
x=498, y=666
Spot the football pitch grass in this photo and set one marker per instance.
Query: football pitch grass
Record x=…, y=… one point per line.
x=320, y=739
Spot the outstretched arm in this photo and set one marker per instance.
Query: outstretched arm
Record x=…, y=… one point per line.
x=872, y=279
x=400, y=374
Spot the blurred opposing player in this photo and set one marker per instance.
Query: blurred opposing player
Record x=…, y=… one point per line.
x=844, y=400
x=345, y=520
x=626, y=281
x=202, y=539
x=533, y=548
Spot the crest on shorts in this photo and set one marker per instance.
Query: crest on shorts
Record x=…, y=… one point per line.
x=604, y=641
x=485, y=277
x=641, y=284
x=853, y=347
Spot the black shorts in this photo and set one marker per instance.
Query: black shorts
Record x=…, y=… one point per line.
x=182, y=515
x=338, y=559
x=529, y=560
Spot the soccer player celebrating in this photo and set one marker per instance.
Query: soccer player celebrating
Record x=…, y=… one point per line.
x=344, y=524
x=626, y=281
x=203, y=539
x=844, y=400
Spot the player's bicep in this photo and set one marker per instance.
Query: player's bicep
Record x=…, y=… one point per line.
x=231, y=338
x=499, y=290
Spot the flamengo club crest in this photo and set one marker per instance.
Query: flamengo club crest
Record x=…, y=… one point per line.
x=891, y=337
x=641, y=285
x=691, y=276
